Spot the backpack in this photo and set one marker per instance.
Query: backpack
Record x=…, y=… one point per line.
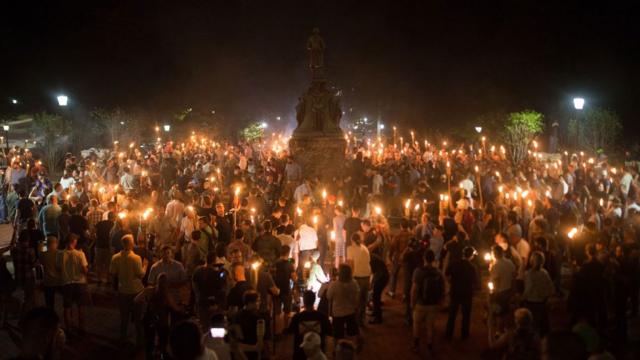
x=218, y=285
x=432, y=287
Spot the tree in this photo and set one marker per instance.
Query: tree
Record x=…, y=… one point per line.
x=253, y=132
x=597, y=130
x=110, y=122
x=521, y=129
x=51, y=129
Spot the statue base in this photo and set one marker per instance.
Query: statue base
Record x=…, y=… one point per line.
x=320, y=155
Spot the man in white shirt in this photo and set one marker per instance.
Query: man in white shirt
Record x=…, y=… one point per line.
x=377, y=183
x=127, y=180
x=359, y=259
x=285, y=235
x=74, y=268
x=521, y=245
x=307, y=239
x=127, y=267
x=174, y=210
x=625, y=183
x=501, y=272
x=467, y=185
x=302, y=190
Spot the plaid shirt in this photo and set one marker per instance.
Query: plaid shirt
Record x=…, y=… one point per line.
x=24, y=260
x=94, y=216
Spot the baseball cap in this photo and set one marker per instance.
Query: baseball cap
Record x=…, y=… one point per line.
x=310, y=340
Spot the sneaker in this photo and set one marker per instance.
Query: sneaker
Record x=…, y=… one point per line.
x=391, y=294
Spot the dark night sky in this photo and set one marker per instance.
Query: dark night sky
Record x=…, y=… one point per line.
x=423, y=63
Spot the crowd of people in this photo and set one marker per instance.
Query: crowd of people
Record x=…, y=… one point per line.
x=215, y=250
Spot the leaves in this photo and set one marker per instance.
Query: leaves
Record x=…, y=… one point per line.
x=521, y=129
x=597, y=130
x=52, y=129
x=253, y=132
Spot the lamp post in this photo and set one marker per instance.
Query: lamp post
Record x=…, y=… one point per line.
x=578, y=104
x=167, y=128
x=6, y=136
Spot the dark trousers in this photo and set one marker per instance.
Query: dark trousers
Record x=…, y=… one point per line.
x=129, y=312
x=407, y=294
x=465, y=304
x=395, y=269
x=363, y=284
x=379, y=283
x=540, y=316
x=50, y=296
x=620, y=308
x=634, y=291
x=151, y=330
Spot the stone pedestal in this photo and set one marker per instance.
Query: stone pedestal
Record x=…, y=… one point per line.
x=318, y=144
x=319, y=156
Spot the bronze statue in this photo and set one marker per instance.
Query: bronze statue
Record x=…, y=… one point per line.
x=315, y=46
x=318, y=110
x=318, y=143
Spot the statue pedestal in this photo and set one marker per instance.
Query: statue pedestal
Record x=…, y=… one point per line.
x=320, y=155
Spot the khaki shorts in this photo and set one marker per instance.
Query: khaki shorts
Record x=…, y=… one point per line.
x=423, y=315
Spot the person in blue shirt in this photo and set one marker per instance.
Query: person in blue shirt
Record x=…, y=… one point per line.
x=48, y=217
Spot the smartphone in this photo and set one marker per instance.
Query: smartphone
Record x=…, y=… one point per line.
x=218, y=332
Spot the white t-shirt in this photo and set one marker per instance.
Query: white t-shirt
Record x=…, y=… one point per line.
x=467, y=185
x=625, y=183
x=502, y=274
x=359, y=254
x=377, y=184
x=67, y=182
x=173, y=212
x=308, y=238
x=73, y=264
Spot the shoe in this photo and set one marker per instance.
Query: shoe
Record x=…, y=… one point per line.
x=415, y=349
x=391, y=294
x=375, y=321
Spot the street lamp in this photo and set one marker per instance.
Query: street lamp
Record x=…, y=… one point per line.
x=578, y=104
x=264, y=125
x=14, y=101
x=63, y=100
x=167, y=128
x=478, y=129
x=6, y=135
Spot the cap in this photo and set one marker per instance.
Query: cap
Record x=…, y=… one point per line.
x=311, y=340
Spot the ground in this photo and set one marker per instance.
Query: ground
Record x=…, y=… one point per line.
x=388, y=341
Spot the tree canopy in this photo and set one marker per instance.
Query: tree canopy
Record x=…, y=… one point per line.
x=520, y=130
